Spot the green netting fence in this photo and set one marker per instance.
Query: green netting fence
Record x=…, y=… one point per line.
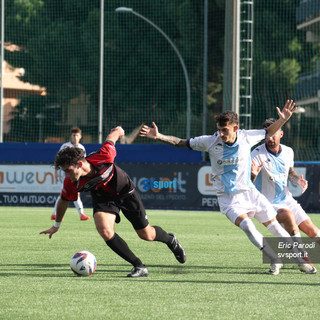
x=52, y=65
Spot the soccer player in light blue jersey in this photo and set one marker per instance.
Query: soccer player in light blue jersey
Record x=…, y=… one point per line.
x=272, y=167
x=229, y=150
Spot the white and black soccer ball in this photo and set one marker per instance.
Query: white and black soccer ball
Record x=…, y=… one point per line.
x=83, y=263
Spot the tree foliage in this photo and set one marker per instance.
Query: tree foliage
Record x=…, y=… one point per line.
x=59, y=50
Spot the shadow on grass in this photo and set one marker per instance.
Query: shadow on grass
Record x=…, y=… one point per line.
x=63, y=271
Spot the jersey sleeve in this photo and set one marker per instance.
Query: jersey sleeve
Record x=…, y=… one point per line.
x=69, y=190
x=64, y=146
x=108, y=150
x=200, y=143
x=291, y=158
x=255, y=136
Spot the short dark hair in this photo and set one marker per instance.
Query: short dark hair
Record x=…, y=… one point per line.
x=68, y=156
x=76, y=130
x=225, y=117
x=268, y=122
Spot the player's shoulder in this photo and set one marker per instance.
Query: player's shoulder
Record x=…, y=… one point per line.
x=81, y=146
x=261, y=149
x=250, y=132
x=286, y=148
x=287, y=151
x=207, y=139
x=66, y=144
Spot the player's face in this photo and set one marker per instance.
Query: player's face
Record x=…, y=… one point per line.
x=72, y=172
x=228, y=132
x=274, y=141
x=75, y=138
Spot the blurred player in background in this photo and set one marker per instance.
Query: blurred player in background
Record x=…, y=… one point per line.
x=239, y=200
x=272, y=166
x=75, y=142
x=112, y=190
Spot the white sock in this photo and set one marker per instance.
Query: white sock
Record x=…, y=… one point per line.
x=276, y=229
x=297, y=237
x=79, y=206
x=252, y=233
x=55, y=206
x=256, y=238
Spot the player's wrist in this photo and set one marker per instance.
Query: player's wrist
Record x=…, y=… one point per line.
x=57, y=224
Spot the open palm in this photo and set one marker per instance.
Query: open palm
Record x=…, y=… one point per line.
x=287, y=111
x=151, y=133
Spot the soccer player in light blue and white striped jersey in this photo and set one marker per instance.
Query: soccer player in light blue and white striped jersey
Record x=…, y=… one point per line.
x=229, y=150
x=272, y=167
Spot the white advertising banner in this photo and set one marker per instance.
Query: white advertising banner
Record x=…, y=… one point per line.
x=31, y=178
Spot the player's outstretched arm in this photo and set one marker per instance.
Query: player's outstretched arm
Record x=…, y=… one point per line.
x=115, y=134
x=284, y=115
x=61, y=209
x=153, y=133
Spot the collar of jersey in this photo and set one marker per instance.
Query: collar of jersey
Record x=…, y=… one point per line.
x=231, y=144
x=275, y=154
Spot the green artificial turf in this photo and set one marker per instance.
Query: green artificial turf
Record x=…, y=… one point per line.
x=223, y=278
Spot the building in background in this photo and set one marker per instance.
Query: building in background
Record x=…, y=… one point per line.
x=14, y=88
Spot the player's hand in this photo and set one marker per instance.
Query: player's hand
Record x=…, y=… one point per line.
x=255, y=169
x=287, y=111
x=148, y=132
x=302, y=183
x=50, y=231
x=119, y=129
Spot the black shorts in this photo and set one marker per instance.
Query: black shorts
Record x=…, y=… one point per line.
x=130, y=204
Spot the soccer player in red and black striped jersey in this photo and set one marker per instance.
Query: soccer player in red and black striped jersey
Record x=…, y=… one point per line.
x=112, y=190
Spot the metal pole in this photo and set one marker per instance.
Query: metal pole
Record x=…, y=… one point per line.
x=100, y=128
x=130, y=10
x=236, y=54
x=232, y=56
x=205, y=73
x=2, y=59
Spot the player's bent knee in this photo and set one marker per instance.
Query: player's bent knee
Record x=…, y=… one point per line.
x=106, y=234
x=284, y=215
x=147, y=234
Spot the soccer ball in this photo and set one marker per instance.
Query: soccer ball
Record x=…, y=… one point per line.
x=83, y=263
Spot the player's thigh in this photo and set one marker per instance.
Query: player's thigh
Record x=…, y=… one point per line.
x=299, y=214
x=235, y=205
x=133, y=209
x=264, y=211
x=104, y=222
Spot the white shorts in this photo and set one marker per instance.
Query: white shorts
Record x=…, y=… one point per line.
x=291, y=204
x=251, y=202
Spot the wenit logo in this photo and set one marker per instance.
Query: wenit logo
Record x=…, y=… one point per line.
x=205, y=181
x=28, y=178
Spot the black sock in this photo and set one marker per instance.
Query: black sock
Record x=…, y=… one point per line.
x=162, y=236
x=120, y=247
